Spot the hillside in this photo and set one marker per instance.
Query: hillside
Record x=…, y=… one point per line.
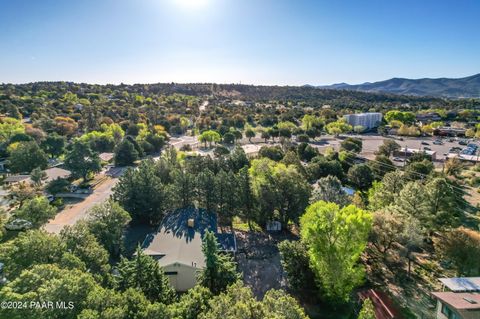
x=468, y=87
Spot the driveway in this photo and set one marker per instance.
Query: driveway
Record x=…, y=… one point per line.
x=73, y=213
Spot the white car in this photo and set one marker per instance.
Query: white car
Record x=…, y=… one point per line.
x=18, y=224
x=398, y=159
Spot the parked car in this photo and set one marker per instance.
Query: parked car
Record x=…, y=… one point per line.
x=18, y=224
x=427, y=148
x=438, y=142
x=462, y=142
x=425, y=143
x=397, y=159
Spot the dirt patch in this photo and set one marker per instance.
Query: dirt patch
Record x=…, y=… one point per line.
x=258, y=260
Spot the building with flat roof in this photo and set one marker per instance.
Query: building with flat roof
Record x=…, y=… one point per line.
x=367, y=120
x=177, y=245
x=406, y=152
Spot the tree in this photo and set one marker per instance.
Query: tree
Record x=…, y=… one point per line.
x=142, y=194
x=329, y=189
x=361, y=176
x=54, y=145
x=30, y=248
x=48, y=283
x=36, y=210
x=107, y=222
x=210, y=137
x=220, y=269
x=281, y=191
x=453, y=167
x=246, y=199
x=351, y=144
x=445, y=202
x=82, y=243
x=306, y=152
x=296, y=264
x=58, y=185
x=249, y=133
x=387, y=229
x=418, y=170
x=336, y=237
x=238, y=302
x=27, y=156
x=125, y=153
x=37, y=176
x=461, y=246
x=380, y=166
x=413, y=201
x=388, y=147
x=367, y=311
x=411, y=239
x=384, y=193
x=81, y=160
x=205, y=185
x=145, y=274
x=321, y=167
x=274, y=153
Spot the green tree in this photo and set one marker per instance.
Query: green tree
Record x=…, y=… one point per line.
x=54, y=145
x=30, y=248
x=144, y=273
x=38, y=176
x=388, y=147
x=27, y=156
x=210, y=137
x=384, y=193
x=125, y=153
x=36, y=210
x=351, y=144
x=142, y=194
x=367, y=311
x=81, y=160
x=220, y=269
x=361, y=176
x=329, y=189
x=249, y=133
x=335, y=239
x=107, y=223
x=296, y=264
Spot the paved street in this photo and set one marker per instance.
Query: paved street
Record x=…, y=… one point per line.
x=75, y=212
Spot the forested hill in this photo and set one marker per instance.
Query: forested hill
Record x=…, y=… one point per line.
x=309, y=95
x=468, y=87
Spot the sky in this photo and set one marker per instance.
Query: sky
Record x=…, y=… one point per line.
x=271, y=42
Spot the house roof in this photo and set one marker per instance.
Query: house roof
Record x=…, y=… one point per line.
x=106, y=157
x=459, y=300
x=56, y=172
x=16, y=178
x=462, y=284
x=176, y=242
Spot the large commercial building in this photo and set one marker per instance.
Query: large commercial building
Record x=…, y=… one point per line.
x=367, y=120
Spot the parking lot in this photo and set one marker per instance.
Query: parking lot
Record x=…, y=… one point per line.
x=371, y=143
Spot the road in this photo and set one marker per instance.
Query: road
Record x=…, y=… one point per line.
x=75, y=212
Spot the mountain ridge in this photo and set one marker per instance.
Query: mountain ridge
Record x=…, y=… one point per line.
x=466, y=87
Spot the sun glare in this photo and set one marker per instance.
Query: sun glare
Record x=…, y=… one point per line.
x=192, y=3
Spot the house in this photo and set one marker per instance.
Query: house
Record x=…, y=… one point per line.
x=460, y=298
x=56, y=172
x=106, y=157
x=428, y=117
x=177, y=245
x=449, y=131
x=17, y=179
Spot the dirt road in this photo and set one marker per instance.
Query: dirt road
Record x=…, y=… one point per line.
x=73, y=213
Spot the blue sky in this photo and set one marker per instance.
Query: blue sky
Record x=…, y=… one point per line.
x=280, y=42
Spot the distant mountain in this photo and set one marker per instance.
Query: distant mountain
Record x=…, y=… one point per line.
x=468, y=87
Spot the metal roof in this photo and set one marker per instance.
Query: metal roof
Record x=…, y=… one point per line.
x=176, y=242
x=462, y=284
